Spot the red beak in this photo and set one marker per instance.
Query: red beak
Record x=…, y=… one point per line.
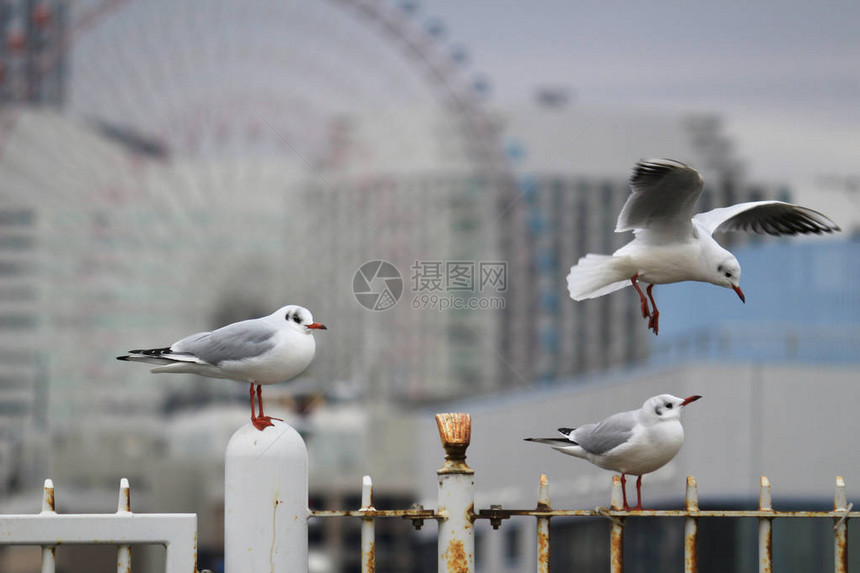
x=317, y=326
x=740, y=293
x=690, y=399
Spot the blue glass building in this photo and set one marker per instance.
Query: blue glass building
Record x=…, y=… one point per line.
x=802, y=304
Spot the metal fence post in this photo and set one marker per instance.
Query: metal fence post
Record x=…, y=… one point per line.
x=368, y=533
x=840, y=527
x=123, y=506
x=266, y=501
x=616, y=530
x=543, y=526
x=691, y=528
x=765, y=532
x=456, y=503
x=49, y=552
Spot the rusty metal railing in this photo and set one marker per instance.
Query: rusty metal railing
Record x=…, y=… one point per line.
x=281, y=507
x=456, y=515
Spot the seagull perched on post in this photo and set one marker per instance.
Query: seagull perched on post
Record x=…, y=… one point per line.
x=673, y=245
x=635, y=442
x=260, y=351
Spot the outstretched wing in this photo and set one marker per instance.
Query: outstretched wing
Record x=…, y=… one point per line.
x=664, y=193
x=771, y=217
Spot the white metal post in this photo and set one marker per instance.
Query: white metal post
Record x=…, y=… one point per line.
x=368, y=533
x=616, y=529
x=765, y=528
x=49, y=552
x=123, y=507
x=456, y=503
x=840, y=527
x=691, y=528
x=543, y=526
x=266, y=501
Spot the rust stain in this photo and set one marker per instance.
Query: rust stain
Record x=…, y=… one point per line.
x=370, y=558
x=691, y=554
x=616, y=549
x=543, y=551
x=766, y=549
x=456, y=558
x=841, y=552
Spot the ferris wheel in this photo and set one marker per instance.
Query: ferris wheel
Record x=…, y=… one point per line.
x=225, y=78
x=232, y=92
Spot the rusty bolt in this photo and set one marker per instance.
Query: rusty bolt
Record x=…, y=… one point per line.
x=417, y=522
x=496, y=522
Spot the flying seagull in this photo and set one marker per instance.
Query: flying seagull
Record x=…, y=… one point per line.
x=260, y=351
x=671, y=244
x=635, y=442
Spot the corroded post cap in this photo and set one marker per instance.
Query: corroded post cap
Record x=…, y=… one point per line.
x=455, y=431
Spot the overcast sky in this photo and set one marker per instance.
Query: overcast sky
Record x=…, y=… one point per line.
x=785, y=75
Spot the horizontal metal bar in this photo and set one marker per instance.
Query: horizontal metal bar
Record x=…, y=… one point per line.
x=506, y=513
x=110, y=528
x=367, y=513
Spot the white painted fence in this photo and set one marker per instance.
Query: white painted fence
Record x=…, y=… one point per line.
x=266, y=514
x=177, y=532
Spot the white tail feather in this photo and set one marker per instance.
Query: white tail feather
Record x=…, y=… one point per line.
x=594, y=276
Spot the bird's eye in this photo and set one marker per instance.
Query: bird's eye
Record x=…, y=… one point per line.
x=729, y=275
x=668, y=405
x=296, y=319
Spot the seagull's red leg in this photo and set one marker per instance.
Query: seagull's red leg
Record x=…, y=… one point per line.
x=655, y=315
x=253, y=413
x=624, y=492
x=638, y=493
x=644, y=301
x=261, y=421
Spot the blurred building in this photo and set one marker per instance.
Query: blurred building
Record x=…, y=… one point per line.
x=33, y=37
x=403, y=189
x=778, y=380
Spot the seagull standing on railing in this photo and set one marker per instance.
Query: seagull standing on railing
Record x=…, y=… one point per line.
x=260, y=351
x=635, y=442
x=673, y=245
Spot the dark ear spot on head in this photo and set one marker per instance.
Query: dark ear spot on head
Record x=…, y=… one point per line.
x=658, y=410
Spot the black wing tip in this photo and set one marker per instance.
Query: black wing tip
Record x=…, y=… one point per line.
x=151, y=351
x=649, y=167
x=791, y=220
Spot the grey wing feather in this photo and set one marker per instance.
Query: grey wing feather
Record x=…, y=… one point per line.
x=601, y=437
x=236, y=341
x=771, y=217
x=664, y=193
